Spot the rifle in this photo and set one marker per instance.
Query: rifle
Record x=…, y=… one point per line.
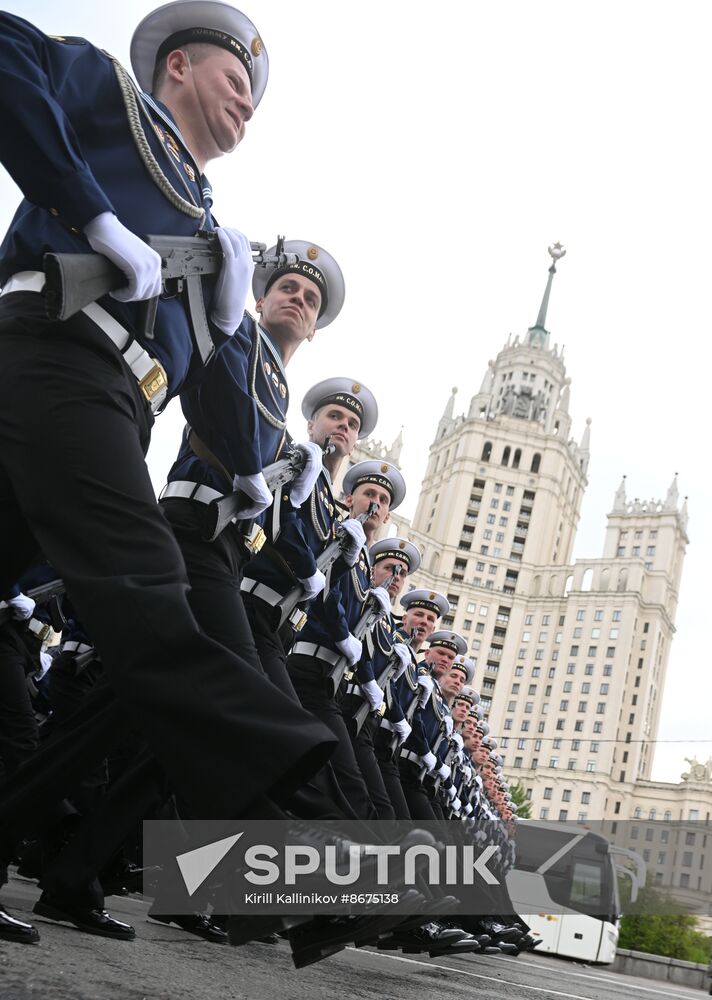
x=222, y=511
x=365, y=710
x=324, y=562
x=48, y=592
x=74, y=280
x=367, y=620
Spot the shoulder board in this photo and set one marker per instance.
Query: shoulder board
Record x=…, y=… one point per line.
x=69, y=39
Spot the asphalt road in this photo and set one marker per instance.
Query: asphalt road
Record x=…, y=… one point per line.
x=164, y=963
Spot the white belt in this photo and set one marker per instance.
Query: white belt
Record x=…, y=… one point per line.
x=38, y=628
x=354, y=689
x=387, y=725
x=409, y=755
x=320, y=652
x=147, y=371
x=190, y=491
x=260, y=590
x=75, y=647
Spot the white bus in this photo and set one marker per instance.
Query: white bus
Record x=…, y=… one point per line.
x=565, y=887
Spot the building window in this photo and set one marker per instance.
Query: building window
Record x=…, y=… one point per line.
x=578, y=726
x=568, y=685
x=616, y=616
x=585, y=798
x=508, y=723
x=604, y=689
x=590, y=765
x=650, y=551
x=572, y=765
x=564, y=706
x=548, y=792
x=518, y=761
x=487, y=451
x=574, y=651
x=583, y=706
x=524, y=728
x=601, y=708
x=543, y=813
x=563, y=815
x=553, y=762
x=557, y=743
x=566, y=795
x=598, y=615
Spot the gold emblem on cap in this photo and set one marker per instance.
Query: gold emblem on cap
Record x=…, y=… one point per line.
x=356, y=387
x=256, y=47
x=431, y=597
x=312, y=253
x=384, y=467
x=402, y=545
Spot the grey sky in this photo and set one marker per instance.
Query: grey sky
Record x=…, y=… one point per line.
x=436, y=150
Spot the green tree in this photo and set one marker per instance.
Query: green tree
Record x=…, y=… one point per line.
x=658, y=925
x=519, y=797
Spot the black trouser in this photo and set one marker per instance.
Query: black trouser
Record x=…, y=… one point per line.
x=362, y=743
x=273, y=644
x=388, y=763
x=419, y=804
x=18, y=727
x=71, y=415
x=308, y=677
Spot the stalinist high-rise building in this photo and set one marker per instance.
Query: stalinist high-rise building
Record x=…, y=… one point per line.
x=571, y=656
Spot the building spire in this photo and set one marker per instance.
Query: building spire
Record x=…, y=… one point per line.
x=619, y=501
x=538, y=333
x=450, y=405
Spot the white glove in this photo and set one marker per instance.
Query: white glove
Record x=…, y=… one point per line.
x=402, y=652
x=404, y=729
x=468, y=808
x=304, y=483
x=313, y=585
x=456, y=804
x=373, y=694
x=426, y=683
x=430, y=760
x=353, y=540
x=140, y=264
x=451, y=793
x=22, y=607
x=351, y=648
x=234, y=281
x=467, y=771
x=443, y=771
x=255, y=487
x=448, y=724
x=45, y=664
x=381, y=601
x=458, y=739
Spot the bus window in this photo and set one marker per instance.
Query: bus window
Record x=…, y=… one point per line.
x=586, y=885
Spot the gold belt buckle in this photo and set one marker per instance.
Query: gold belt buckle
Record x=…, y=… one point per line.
x=381, y=711
x=42, y=632
x=255, y=540
x=348, y=676
x=154, y=381
x=298, y=619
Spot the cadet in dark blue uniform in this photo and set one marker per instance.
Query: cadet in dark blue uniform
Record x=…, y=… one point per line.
x=231, y=431
x=385, y=658
x=343, y=411
x=81, y=393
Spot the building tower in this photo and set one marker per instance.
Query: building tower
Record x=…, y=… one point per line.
x=571, y=658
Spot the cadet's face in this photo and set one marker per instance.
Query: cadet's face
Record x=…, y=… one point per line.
x=337, y=423
x=366, y=494
x=460, y=710
x=421, y=619
x=291, y=307
x=440, y=659
x=452, y=683
x=222, y=99
x=383, y=569
x=468, y=725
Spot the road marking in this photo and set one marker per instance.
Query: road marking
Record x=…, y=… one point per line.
x=477, y=975
x=603, y=978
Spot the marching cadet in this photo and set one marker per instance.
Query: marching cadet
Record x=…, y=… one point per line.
x=231, y=433
x=419, y=754
x=392, y=728
x=390, y=561
x=319, y=654
x=422, y=608
x=341, y=411
x=100, y=164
